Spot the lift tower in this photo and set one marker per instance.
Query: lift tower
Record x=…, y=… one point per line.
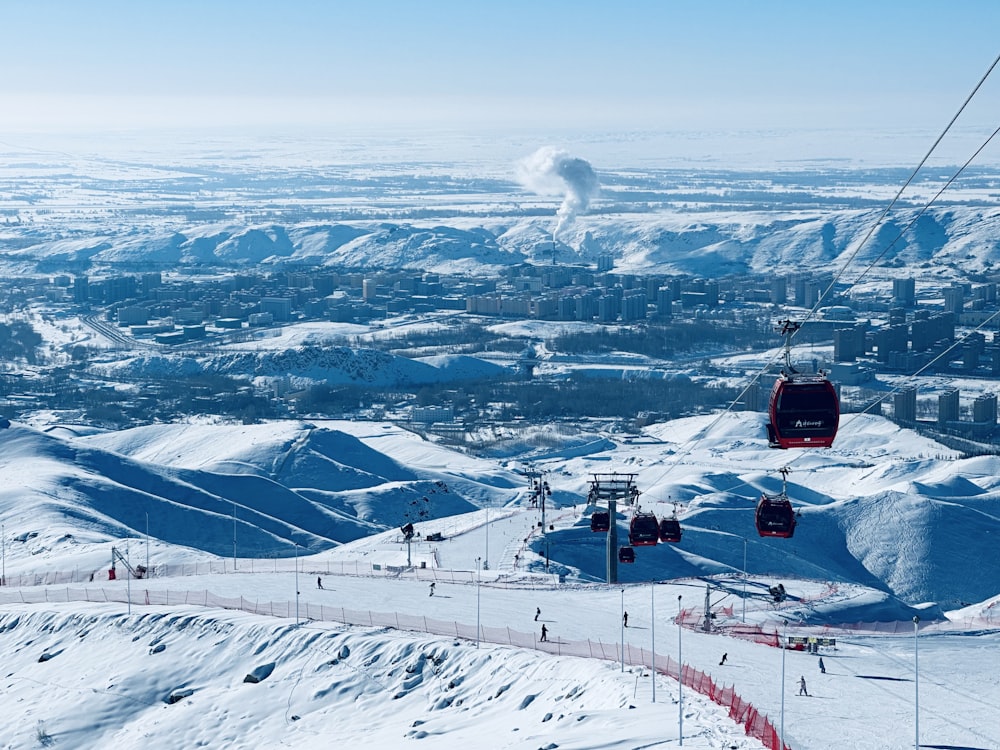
x=610, y=488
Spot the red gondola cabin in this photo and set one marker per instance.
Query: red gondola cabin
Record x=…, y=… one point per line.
x=775, y=516
x=626, y=555
x=600, y=521
x=670, y=530
x=643, y=530
x=804, y=411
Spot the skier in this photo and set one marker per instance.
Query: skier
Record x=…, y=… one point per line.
x=802, y=686
x=545, y=632
x=319, y=582
x=432, y=588
x=822, y=667
x=538, y=611
x=625, y=620
x=723, y=661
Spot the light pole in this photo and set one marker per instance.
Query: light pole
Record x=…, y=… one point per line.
x=744, y=579
x=622, y=620
x=486, y=557
x=781, y=645
x=3, y=554
x=477, y=600
x=296, y=583
x=680, y=677
x=916, y=687
x=541, y=491
x=234, y=537
x=147, y=543
x=652, y=632
x=128, y=580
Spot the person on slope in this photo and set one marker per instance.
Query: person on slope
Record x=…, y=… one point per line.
x=545, y=632
x=802, y=686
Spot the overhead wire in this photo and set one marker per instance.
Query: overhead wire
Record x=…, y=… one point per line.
x=958, y=342
x=926, y=206
x=885, y=212
x=693, y=441
x=689, y=446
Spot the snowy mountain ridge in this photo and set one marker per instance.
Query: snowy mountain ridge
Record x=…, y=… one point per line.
x=698, y=243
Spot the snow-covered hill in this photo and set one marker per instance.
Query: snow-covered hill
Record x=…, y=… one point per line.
x=892, y=526
x=884, y=507
x=703, y=244
x=270, y=486
x=303, y=365
x=109, y=680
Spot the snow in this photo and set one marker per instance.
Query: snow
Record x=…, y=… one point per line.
x=255, y=203
x=721, y=242
x=893, y=526
x=883, y=536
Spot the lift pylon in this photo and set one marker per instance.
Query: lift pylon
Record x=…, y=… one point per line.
x=610, y=489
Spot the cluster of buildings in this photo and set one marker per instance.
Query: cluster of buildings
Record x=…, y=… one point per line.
x=980, y=426
x=920, y=336
x=915, y=333
x=546, y=293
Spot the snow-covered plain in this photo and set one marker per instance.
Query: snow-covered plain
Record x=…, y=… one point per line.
x=892, y=526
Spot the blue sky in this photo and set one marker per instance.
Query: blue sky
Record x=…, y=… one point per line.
x=515, y=64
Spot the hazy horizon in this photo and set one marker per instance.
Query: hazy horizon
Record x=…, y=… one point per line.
x=644, y=82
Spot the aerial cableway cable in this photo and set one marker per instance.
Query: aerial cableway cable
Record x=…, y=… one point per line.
x=700, y=435
x=902, y=189
x=924, y=208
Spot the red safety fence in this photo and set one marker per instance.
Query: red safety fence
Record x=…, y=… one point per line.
x=242, y=566
x=755, y=724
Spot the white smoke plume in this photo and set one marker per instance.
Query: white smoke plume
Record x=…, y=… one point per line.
x=551, y=171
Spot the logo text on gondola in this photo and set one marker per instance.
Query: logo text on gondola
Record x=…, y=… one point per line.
x=808, y=422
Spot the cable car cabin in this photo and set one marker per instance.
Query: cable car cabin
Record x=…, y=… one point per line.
x=643, y=531
x=670, y=530
x=775, y=516
x=600, y=521
x=804, y=411
x=626, y=555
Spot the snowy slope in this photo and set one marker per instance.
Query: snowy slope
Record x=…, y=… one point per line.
x=887, y=526
x=880, y=508
x=286, y=485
